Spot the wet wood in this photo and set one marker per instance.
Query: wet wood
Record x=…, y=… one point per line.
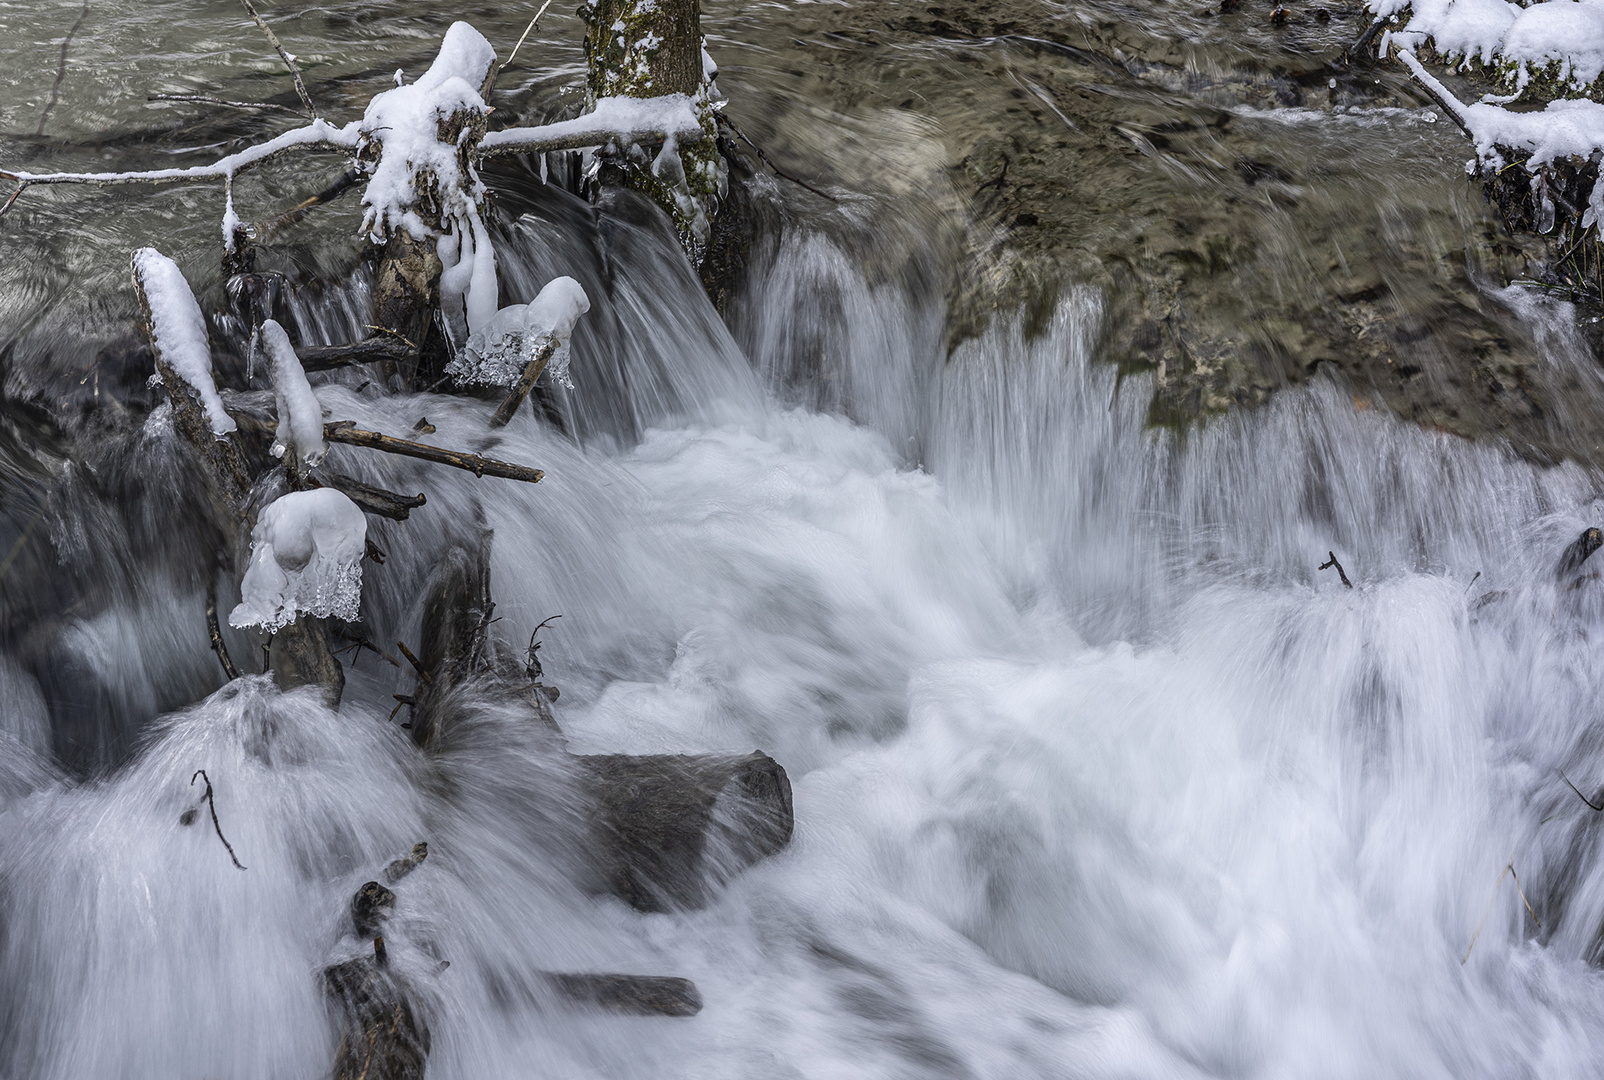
x=379, y=347
x=374, y=500
x=526, y=383
x=345, y=431
x=633, y=995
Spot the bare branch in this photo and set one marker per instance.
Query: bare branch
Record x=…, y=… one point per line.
x=346, y=431
x=525, y=383
x=1590, y=804
x=318, y=135
x=782, y=174
x=1332, y=561
x=216, y=633
x=202, y=99
x=61, y=69
x=7, y=207
x=527, y=31
x=188, y=818
x=289, y=61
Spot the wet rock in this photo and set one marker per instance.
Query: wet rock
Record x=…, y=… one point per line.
x=382, y=1037
x=1579, y=551
x=370, y=907
x=667, y=830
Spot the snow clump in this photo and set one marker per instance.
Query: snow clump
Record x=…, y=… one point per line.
x=497, y=354
x=300, y=417
x=178, y=330
x=306, y=556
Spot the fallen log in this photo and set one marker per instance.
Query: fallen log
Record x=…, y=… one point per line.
x=329, y=357
x=346, y=431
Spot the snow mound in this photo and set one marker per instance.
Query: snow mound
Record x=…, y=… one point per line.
x=300, y=418
x=306, y=556
x=179, y=331
x=497, y=353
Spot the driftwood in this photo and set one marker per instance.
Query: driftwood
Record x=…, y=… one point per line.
x=289, y=61
x=372, y=499
x=346, y=431
x=668, y=829
x=381, y=347
x=526, y=382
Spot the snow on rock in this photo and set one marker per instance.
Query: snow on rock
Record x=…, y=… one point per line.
x=300, y=418
x=498, y=352
x=179, y=331
x=306, y=556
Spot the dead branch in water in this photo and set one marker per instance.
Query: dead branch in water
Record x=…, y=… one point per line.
x=216, y=632
x=417, y=665
x=1509, y=868
x=758, y=150
x=203, y=99
x=346, y=431
x=1332, y=562
x=1579, y=795
x=514, y=54
x=289, y=61
x=212, y=805
x=525, y=383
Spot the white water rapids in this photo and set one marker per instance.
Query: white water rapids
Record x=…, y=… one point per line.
x=1095, y=774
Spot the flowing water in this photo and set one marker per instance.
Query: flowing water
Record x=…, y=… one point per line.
x=1096, y=775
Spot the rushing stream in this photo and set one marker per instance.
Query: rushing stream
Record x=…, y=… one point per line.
x=1096, y=775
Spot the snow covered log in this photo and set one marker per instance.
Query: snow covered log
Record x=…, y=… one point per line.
x=667, y=830
x=178, y=341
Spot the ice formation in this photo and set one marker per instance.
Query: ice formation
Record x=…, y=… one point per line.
x=300, y=418
x=306, y=556
x=497, y=353
x=179, y=331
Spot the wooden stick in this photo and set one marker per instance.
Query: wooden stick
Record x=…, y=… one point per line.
x=216, y=633
x=372, y=499
x=525, y=383
x=527, y=31
x=345, y=431
x=782, y=174
x=7, y=207
x=289, y=61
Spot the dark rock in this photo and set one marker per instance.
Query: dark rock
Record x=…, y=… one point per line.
x=667, y=829
x=382, y=1037
x=1579, y=551
x=370, y=907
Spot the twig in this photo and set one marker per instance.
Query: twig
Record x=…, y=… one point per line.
x=61, y=69
x=1509, y=868
x=1340, y=572
x=204, y=100
x=7, y=207
x=758, y=150
x=1364, y=39
x=417, y=665
x=533, y=668
x=1472, y=582
x=216, y=633
x=1579, y=795
x=392, y=333
x=527, y=31
x=400, y=700
x=289, y=61
x=213, y=807
x=525, y=383
x=346, y=182
x=1523, y=899
x=359, y=642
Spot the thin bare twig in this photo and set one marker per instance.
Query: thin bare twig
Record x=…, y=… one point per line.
x=318, y=135
x=216, y=632
x=514, y=54
x=61, y=69
x=202, y=99
x=1590, y=804
x=7, y=207
x=1340, y=572
x=289, y=61
x=346, y=431
x=758, y=150
x=417, y=665
x=212, y=805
